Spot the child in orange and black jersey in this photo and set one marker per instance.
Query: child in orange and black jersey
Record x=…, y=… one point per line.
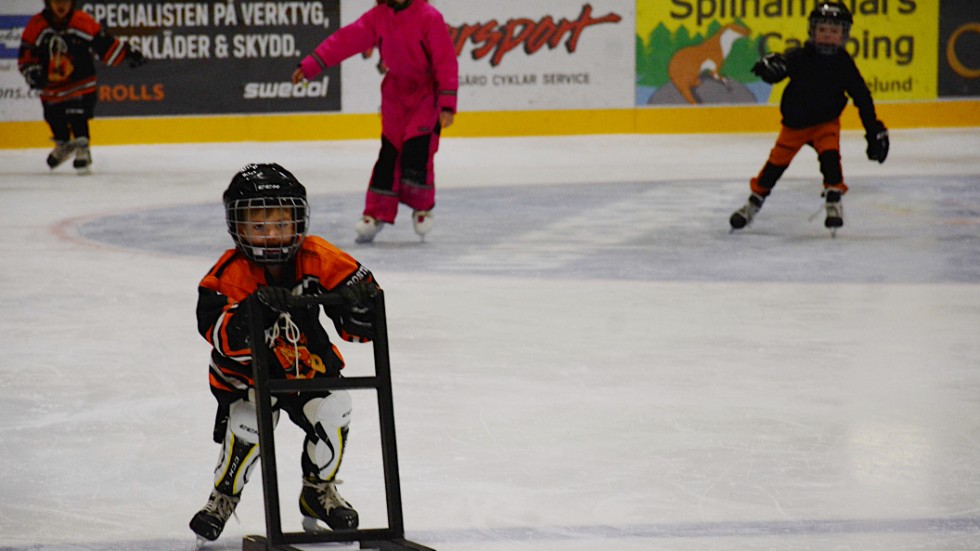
x=56, y=58
x=820, y=73
x=274, y=260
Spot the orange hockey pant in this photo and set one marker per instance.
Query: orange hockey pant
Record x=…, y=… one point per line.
x=824, y=137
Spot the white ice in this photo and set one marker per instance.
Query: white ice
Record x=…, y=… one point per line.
x=584, y=358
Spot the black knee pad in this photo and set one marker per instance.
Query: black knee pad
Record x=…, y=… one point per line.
x=383, y=177
x=415, y=160
x=830, y=167
x=770, y=175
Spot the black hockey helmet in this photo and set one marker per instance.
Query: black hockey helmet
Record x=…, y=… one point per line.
x=47, y=4
x=267, y=187
x=66, y=17
x=833, y=13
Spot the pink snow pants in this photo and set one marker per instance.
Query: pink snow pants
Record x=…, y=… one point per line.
x=404, y=171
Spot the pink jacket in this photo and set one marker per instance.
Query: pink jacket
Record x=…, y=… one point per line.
x=415, y=47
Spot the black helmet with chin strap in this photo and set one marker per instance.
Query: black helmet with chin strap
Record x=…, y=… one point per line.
x=266, y=187
x=832, y=13
x=59, y=21
x=47, y=4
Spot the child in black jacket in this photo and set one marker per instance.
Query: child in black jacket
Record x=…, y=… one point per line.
x=820, y=73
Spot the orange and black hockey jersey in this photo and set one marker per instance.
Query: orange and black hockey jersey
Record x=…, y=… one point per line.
x=66, y=51
x=318, y=267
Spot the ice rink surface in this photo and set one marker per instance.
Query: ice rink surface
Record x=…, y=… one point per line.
x=583, y=356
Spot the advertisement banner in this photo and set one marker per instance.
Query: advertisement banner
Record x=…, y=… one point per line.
x=702, y=51
x=216, y=57
x=17, y=101
x=213, y=57
x=555, y=54
x=959, y=48
x=234, y=57
x=516, y=55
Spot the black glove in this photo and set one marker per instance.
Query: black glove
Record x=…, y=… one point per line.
x=278, y=299
x=360, y=294
x=877, y=137
x=358, y=320
x=35, y=76
x=135, y=58
x=771, y=68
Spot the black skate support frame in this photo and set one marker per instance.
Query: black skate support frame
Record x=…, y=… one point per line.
x=391, y=538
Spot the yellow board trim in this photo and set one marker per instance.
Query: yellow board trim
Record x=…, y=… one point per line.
x=312, y=126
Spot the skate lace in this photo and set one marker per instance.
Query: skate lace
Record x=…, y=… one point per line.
x=62, y=150
x=81, y=148
x=221, y=506
x=748, y=210
x=832, y=209
x=815, y=214
x=290, y=331
x=326, y=493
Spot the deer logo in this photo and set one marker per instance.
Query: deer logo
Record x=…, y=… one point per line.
x=688, y=64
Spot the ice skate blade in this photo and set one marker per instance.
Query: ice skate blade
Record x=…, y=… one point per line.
x=733, y=229
x=312, y=526
x=199, y=543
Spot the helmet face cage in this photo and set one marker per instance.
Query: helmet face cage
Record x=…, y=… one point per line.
x=830, y=13
x=268, y=230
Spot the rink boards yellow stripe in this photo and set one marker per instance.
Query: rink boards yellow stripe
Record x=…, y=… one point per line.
x=308, y=126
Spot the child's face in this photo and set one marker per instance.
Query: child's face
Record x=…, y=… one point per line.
x=828, y=34
x=265, y=227
x=60, y=8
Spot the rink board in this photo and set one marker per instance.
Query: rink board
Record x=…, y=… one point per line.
x=314, y=126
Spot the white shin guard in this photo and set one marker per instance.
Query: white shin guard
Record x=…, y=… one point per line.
x=240, y=449
x=330, y=418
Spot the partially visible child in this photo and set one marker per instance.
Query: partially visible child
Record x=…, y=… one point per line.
x=56, y=57
x=274, y=259
x=418, y=100
x=820, y=73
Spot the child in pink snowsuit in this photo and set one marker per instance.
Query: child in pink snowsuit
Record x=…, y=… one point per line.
x=418, y=99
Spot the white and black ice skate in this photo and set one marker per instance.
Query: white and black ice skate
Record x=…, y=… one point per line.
x=743, y=216
x=210, y=521
x=835, y=212
x=320, y=501
x=63, y=150
x=83, y=156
